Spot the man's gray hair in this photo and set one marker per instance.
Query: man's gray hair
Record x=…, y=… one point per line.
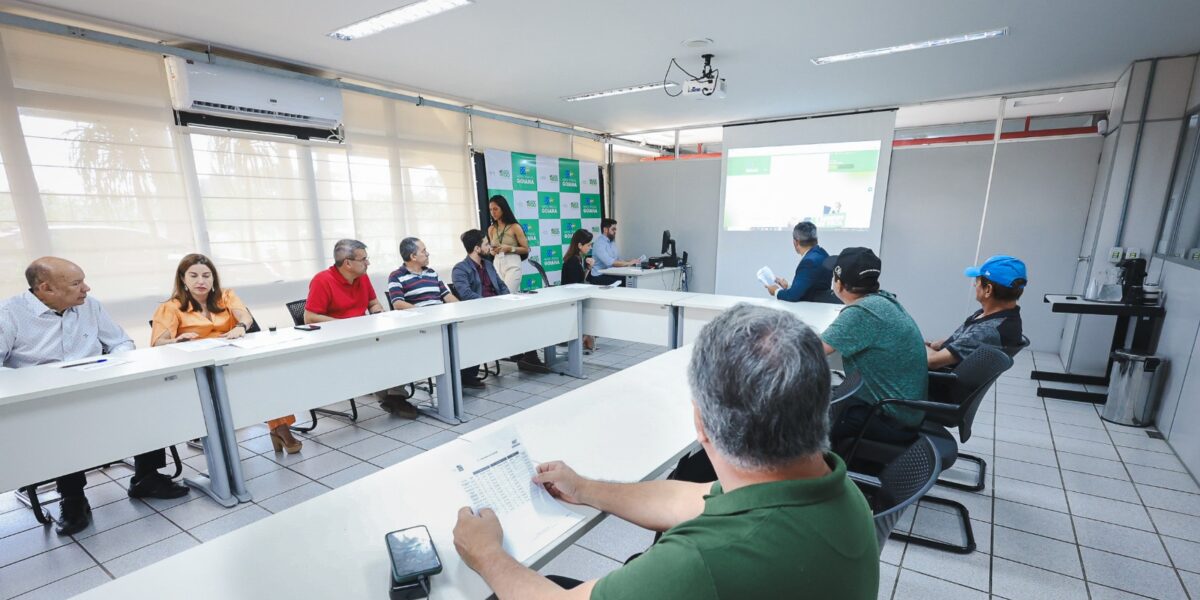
x=408, y=248
x=344, y=249
x=761, y=381
x=805, y=233
x=36, y=273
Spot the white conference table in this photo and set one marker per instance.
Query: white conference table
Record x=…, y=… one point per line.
x=344, y=359
x=333, y=546
x=633, y=314
x=56, y=419
x=666, y=278
x=698, y=309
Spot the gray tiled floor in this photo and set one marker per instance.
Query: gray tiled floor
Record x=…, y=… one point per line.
x=1074, y=507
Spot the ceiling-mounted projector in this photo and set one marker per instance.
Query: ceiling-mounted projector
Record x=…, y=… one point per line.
x=709, y=84
x=711, y=87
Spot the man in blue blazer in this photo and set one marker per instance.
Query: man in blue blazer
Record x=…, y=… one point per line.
x=813, y=279
x=475, y=277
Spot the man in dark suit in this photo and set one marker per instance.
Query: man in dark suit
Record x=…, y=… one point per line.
x=813, y=280
x=474, y=277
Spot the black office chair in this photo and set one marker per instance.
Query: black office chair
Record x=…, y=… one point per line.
x=900, y=485
x=541, y=271
x=296, y=309
x=1013, y=351
x=967, y=386
x=848, y=387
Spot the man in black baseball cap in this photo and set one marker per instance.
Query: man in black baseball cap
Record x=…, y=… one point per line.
x=877, y=338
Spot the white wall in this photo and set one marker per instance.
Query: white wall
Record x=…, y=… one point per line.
x=1041, y=190
x=679, y=195
x=921, y=253
x=1179, y=411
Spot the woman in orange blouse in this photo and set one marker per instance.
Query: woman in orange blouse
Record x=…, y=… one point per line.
x=200, y=309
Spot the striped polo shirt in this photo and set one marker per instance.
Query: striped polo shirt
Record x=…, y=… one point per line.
x=418, y=289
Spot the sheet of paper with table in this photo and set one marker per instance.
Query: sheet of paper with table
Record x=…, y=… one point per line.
x=201, y=345
x=260, y=340
x=498, y=474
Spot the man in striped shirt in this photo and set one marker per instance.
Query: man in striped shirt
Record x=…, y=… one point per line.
x=414, y=283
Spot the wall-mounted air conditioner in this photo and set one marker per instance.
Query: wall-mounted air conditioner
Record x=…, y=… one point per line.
x=234, y=93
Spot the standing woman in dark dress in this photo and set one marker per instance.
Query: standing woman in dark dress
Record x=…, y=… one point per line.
x=576, y=265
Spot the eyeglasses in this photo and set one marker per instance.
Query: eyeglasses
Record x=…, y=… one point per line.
x=363, y=260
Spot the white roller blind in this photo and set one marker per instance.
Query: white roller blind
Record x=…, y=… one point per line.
x=113, y=198
x=12, y=252
x=96, y=123
x=402, y=172
x=257, y=206
x=506, y=136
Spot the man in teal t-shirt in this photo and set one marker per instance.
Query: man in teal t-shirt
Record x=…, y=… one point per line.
x=878, y=339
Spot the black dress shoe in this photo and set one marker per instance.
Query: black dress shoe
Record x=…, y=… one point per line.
x=473, y=383
x=157, y=485
x=400, y=408
x=532, y=367
x=75, y=516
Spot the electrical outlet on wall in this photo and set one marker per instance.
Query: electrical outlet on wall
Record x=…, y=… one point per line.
x=1194, y=254
x=1132, y=253
x=1116, y=254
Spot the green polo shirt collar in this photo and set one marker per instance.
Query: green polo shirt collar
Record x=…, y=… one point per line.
x=795, y=492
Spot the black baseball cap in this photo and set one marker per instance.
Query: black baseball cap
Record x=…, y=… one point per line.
x=855, y=267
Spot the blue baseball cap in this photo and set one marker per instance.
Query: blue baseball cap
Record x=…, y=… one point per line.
x=1000, y=269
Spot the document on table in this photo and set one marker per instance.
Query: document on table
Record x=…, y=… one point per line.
x=262, y=339
x=498, y=474
x=513, y=297
x=201, y=345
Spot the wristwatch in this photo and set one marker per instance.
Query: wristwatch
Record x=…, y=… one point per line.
x=243, y=326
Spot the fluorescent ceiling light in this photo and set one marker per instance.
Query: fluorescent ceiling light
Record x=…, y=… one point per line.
x=625, y=90
x=957, y=39
x=623, y=149
x=409, y=13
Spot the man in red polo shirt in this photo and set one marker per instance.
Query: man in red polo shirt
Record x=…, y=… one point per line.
x=344, y=291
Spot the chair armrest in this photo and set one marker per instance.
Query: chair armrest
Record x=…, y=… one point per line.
x=925, y=405
x=864, y=479
x=943, y=375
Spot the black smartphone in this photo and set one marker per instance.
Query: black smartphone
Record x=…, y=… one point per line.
x=308, y=327
x=413, y=554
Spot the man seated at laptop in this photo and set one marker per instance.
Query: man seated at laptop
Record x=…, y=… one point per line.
x=781, y=521
x=999, y=283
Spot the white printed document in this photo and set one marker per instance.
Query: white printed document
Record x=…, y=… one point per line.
x=499, y=475
x=263, y=338
x=766, y=276
x=201, y=345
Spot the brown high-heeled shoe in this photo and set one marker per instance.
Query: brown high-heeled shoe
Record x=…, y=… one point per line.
x=288, y=443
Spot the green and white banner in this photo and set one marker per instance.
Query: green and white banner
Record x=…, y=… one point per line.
x=552, y=198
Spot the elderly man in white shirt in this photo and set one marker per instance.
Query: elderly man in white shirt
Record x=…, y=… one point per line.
x=56, y=321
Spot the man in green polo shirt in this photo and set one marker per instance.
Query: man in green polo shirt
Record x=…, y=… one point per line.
x=782, y=521
x=879, y=340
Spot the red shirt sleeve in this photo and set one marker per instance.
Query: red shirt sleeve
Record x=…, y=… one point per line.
x=319, y=295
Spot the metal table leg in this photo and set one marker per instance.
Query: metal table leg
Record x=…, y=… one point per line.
x=227, y=439
x=216, y=483
x=449, y=384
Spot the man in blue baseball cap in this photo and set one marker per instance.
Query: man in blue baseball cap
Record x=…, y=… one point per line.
x=999, y=282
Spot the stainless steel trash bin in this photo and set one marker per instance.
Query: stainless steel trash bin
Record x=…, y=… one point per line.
x=1133, y=388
